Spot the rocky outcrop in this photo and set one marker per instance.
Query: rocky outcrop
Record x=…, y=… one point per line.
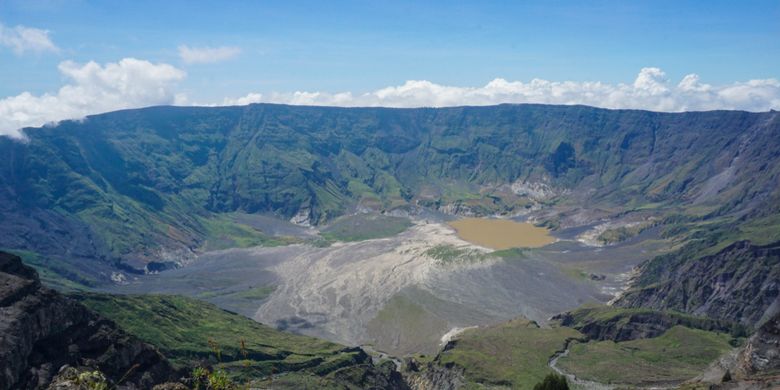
x=371, y=376
x=761, y=355
x=432, y=375
x=42, y=331
x=754, y=366
x=739, y=283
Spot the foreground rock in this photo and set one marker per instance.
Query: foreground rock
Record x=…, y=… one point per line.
x=41, y=331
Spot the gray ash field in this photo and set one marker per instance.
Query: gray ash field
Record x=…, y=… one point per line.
x=405, y=293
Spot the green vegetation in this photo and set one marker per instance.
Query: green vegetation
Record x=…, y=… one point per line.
x=622, y=233
x=447, y=254
x=251, y=295
x=600, y=316
x=240, y=351
x=92, y=380
x=53, y=274
x=403, y=318
x=680, y=353
x=255, y=293
x=222, y=233
x=552, y=382
x=511, y=253
x=361, y=227
x=187, y=331
x=207, y=380
x=513, y=354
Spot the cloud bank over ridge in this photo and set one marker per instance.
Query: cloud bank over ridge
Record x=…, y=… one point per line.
x=130, y=83
x=651, y=90
x=92, y=88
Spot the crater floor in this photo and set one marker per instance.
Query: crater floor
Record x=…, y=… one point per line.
x=403, y=294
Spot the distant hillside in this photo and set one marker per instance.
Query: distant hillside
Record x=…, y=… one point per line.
x=129, y=187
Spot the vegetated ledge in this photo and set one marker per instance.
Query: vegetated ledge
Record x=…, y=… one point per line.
x=191, y=333
x=600, y=322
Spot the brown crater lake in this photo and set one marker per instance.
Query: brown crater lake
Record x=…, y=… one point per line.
x=501, y=233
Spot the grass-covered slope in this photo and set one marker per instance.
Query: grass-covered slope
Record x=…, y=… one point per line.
x=186, y=329
x=601, y=322
x=52, y=274
x=190, y=332
x=624, y=347
x=361, y=227
x=512, y=354
x=194, y=333
x=679, y=354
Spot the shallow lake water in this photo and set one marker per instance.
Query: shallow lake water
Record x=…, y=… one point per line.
x=501, y=233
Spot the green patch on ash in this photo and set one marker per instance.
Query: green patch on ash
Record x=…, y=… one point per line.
x=253, y=293
x=449, y=254
x=242, y=301
x=361, y=227
x=404, y=326
x=446, y=254
x=223, y=232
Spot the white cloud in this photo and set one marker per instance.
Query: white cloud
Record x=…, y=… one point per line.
x=244, y=100
x=204, y=55
x=23, y=39
x=93, y=88
x=651, y=90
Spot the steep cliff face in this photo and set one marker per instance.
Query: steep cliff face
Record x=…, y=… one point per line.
x=739, y=283
x=433, y=376
x=41, y=331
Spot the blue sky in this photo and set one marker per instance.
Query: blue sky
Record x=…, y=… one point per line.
x=364, y=46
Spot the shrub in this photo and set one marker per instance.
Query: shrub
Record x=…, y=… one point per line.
x=552, y=382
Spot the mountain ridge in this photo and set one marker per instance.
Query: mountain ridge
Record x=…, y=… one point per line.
x=141, y=190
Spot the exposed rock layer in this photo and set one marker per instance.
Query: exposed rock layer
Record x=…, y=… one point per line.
x=41, y=331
